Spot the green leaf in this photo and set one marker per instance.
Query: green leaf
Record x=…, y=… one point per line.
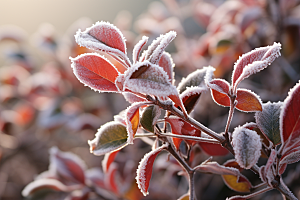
x=148, y=117
x=110, y=137
x=268, y=121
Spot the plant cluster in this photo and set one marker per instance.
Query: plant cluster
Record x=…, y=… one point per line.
x=148, y=84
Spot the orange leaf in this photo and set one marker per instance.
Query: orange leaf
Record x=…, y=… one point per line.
x=220, y=98
x=240, y=185
x=248, y=101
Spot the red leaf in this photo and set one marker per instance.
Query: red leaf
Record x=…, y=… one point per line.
x=41, y=184
x=177, y=101
x=190, y=97
x=110, y=178
x=108, y=159
x=253, y=62
x=176, y=125
x=220, y=98
x=248, y=101
x=215, y=168
x=96, y=72
x=67, y=165
x=219, y=85
x=290, y=118
x=213, y=149
x=144, y=171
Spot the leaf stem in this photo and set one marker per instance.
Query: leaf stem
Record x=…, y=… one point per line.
x=230, y=115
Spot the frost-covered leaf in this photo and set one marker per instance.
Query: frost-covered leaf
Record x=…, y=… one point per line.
x=149, y=117
x=196, y=78
x=253, y=62
x=67, y=165
x=43, y=184
x=248, y=101
x=290, y=118
x=289, y=159
x=110, y=137
x=144, y=171
x=159, y=50
x=213, y=149
x=137, y=49
x=149, y=79
x=108, y=159
x=215, y=168
x=246, y=146
x=133, y=119
x=95, y=71
x=219, y=85
x=146, y=55
x=166, y=62
x=131, y=98
x=103, y=36
x=190, y=97
x=220, y=98
x=268, y=121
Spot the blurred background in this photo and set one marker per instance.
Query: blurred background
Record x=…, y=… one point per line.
x=43, y=105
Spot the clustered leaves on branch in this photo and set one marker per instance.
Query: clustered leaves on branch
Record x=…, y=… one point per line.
x=148, y=84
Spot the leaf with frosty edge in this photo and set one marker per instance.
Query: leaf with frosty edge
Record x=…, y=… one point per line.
x=219, y=85
x=248, y=101
x=43, y=184
x=149, y=117
x=190, y=97
x=268, y=121
x=253, y=62
x=220, y=98
x=196, y=78
x=166, y=62
x=103, y=36
x=110, y=137
x=137, y=49
x=67, y=165
x=144, y=171
x=95, y=71
x=107, y=160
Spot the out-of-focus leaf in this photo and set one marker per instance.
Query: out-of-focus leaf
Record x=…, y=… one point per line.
x=253, y=62
x=149, y=117
x=268, y=121
x=107, y=160
x=184, y=197
x=111, y=179
x=144, y=170
x=248, y=101
x=213, y=149
x=215, y=168
x=67, y=165
x=241, y=184
x=110, y=137
x=95, y=71
x=42, y=184
x=196, y=78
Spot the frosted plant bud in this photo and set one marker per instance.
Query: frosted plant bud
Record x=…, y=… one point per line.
x=246, y=145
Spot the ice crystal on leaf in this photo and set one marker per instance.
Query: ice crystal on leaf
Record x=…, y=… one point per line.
x=246, y=146
x=137, y=49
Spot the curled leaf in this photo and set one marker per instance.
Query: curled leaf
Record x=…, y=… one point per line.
x=166, y=62
x=137, y=49
x=112, y=136
x=144, y=170
x=219, y=85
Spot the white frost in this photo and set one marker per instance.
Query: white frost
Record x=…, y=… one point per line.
x=137, y=49
x=246, y=146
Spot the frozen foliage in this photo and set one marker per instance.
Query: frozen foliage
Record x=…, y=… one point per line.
x=196, y=78
x=166, y=62
x=157, y=53
x=254, y=61
x=154, y=81
x=103, y=36
x=215, y=168
x=146, y=54
x=131, y=98
x=219, y=85
x=246, y=146
x=95, y=71
x=192, y=91
x=137, y=49
x=144, y=170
